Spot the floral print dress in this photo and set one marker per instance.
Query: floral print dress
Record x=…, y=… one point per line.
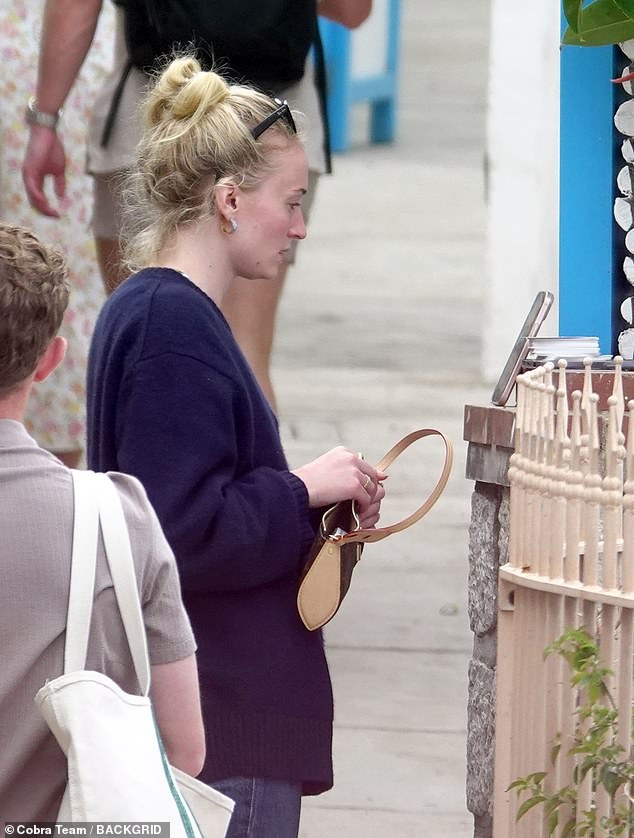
x=56, y=414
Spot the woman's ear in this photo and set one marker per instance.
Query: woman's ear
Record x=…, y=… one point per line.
x=226, y=197
x=53, y=356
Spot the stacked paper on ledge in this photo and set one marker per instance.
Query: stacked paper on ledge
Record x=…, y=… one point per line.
x=550, y=349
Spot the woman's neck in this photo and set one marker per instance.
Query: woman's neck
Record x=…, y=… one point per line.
x=199, y=252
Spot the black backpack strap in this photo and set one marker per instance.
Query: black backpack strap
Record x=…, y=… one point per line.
x=321, y=82
x=114, y=105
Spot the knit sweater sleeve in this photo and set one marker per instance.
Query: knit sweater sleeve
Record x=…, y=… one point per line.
x=189, y=433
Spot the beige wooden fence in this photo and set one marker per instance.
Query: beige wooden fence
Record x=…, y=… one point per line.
x=571, y=564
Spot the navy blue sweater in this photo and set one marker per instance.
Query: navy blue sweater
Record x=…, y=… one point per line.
x=172, y=401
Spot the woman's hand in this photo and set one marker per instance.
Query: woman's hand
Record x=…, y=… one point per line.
x=369, y=515
x=341, y=474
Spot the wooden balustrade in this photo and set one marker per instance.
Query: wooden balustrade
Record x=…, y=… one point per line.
x=570, y=565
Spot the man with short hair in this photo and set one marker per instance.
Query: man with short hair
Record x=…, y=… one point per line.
x=36, y=525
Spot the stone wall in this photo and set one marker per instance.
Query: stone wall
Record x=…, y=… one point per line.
x=487, y=551
x=489, y=433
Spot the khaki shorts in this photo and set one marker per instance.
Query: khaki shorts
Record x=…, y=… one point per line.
x=106, y=217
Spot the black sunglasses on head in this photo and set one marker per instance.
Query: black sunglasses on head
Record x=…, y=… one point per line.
x=281, y=112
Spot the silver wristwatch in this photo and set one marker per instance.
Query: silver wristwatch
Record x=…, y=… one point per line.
x=35, y=117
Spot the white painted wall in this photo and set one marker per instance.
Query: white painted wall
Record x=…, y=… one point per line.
x=369, y=43
x=523, y=182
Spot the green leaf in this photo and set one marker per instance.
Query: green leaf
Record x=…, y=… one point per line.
x=528, y=782
x=611, y=778
x=587, y=765
x=553, y=820
x=626, y=6
x=527, y=805
x=601, y=23
x=571, y=11
x=596, y=15
x=522, y=783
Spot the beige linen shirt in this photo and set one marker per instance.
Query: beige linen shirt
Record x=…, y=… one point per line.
x=120, y=152
x=36, y=523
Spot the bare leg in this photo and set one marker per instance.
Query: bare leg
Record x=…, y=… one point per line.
x=109, y=258
x=250, y=307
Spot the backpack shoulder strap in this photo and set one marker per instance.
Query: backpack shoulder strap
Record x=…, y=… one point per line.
x=114, y=104
x=321, y=83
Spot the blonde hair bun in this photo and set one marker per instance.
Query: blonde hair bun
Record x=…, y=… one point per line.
x=183, y=91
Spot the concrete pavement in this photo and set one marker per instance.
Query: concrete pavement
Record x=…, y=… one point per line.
x=379, y=334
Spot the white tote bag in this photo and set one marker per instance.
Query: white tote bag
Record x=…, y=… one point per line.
x=117, y=768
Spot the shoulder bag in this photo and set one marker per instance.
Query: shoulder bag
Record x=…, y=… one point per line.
x=117, y=768
x=339, y=542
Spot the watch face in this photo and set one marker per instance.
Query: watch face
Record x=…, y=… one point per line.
x=536, y=316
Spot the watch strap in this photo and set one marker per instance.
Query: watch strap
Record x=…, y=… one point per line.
x=33, y=116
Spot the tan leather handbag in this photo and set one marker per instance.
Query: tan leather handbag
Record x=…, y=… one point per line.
x=339, y=542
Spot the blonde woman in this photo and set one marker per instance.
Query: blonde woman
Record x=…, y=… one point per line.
x=70, y=25
x=217, y=193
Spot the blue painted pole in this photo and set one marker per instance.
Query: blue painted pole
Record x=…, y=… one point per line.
x=586, y=230
x=336, y=41
x=383, y=114
x=379, y=90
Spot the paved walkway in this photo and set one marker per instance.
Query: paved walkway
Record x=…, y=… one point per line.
x=379, y=333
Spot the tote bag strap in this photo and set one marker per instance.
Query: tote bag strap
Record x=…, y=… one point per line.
x=97, y=503
x=114, y=531
x=82, y=569
x=379, y=533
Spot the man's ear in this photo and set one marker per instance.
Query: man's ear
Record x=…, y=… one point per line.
x=53, y=356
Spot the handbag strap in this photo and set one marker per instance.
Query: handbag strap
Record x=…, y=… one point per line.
x=378, y=533
x=97, y=502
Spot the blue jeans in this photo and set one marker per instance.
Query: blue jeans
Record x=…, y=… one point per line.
x=264, y=808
